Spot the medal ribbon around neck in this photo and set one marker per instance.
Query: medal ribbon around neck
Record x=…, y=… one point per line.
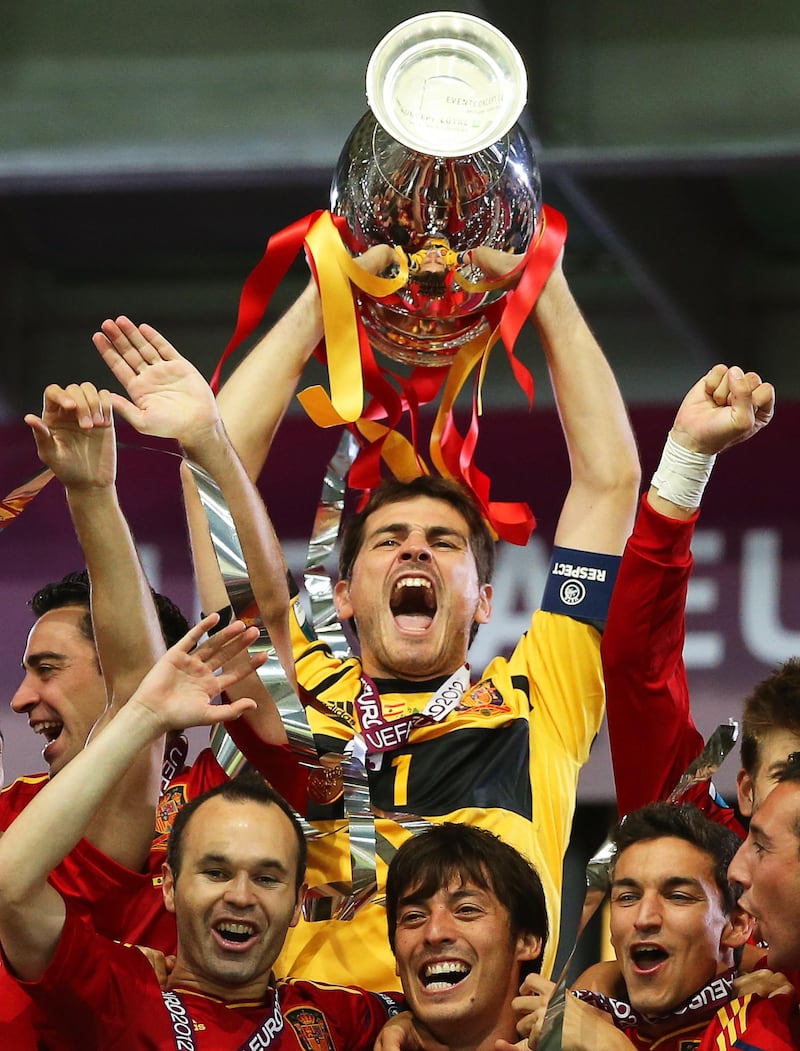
x=383, y=735
x=699, y=1007
x=183, y=1026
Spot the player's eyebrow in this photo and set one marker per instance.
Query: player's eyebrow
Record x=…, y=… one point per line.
x=33, y=660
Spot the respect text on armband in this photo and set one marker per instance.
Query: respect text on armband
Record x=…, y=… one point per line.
x=566, y=569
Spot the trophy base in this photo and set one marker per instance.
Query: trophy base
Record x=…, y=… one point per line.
x=411, y=340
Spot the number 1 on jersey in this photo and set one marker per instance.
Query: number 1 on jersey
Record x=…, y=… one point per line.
x=401, y=763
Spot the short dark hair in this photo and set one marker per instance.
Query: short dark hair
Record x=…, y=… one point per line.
x=451, y=851
x=74, y=589
x=430, y=283
x=683, y=821
x=774, y=704
x=247, y=787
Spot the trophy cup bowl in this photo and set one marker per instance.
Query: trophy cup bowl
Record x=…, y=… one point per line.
x=438, y=166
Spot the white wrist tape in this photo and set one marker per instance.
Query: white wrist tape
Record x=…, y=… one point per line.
x=682, y=475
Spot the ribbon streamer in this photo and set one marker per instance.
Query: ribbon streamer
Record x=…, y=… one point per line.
x=12, y=506
x=325, y=533
x=352, y=369
x=234, y=572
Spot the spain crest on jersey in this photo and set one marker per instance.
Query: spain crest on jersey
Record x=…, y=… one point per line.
x=483, y=699
x=311, y=1028
x=168, y=806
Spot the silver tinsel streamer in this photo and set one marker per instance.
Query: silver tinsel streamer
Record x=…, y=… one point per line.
x=336, y=900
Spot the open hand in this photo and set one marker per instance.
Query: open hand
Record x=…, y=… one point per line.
x=178, y=689
x=169, y=398
x=764, y=983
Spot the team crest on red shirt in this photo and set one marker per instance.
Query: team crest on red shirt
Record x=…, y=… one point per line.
x=311, y=1028
x=483, y=699
x=168, y=806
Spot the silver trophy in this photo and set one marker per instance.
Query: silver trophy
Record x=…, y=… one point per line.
x=437, y=167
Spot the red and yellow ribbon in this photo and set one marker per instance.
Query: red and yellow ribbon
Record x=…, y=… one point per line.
x=354, y=372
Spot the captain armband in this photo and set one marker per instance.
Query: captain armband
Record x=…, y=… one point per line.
x=579, y=584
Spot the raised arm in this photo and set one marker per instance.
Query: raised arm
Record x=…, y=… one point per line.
x=169, y=398
x=253, y=400
x=174, y=694
x=75, y=438
x=264, y=720
x=652, y=735
x=598, y=510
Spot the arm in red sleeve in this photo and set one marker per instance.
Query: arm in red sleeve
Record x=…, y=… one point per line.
x=652, y=735
x=277, y=763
